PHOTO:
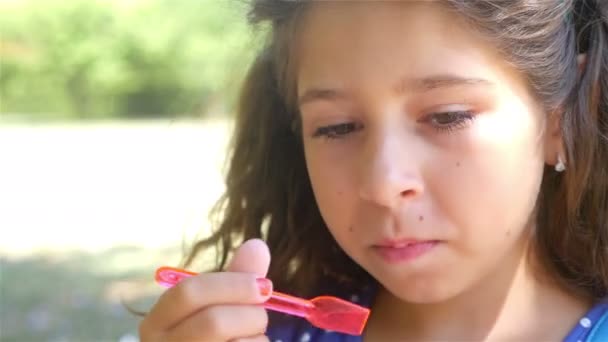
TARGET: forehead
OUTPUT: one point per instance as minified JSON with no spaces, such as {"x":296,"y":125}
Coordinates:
{"x":350,"y":42}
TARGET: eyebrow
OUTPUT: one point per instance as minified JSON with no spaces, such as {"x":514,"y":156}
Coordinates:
{"x":419,"y":85}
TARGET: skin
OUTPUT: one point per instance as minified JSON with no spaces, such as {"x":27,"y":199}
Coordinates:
{"x":206,"y":307}
{"x":386,"y":162}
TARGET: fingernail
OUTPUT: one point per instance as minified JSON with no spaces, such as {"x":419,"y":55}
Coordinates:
{"x":265,"y":286}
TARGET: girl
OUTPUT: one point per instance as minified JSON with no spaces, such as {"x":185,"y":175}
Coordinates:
{"x":442,"y":162}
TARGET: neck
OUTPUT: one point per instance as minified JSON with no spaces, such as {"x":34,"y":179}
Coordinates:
{"x":512,"y":303}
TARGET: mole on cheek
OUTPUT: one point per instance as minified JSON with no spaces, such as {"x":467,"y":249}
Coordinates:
{"x":457,"y":164}
{"x":420,"y":218}
{"x":350,"y":229}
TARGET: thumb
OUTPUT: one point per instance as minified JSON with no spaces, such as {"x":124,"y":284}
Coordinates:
{"x":252,"y":256}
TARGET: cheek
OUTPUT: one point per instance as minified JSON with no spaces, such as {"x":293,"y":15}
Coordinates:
{"x":332,"y":179}
{"x":494,"y":178}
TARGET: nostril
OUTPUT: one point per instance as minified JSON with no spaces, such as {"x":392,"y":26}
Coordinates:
{"x":407,"y":193}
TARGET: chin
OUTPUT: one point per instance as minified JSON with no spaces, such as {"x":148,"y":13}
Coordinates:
{"x":423,"y":296}
{"x":420,"y":289}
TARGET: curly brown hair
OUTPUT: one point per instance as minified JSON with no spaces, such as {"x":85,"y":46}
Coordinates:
{"x":269,"y":195}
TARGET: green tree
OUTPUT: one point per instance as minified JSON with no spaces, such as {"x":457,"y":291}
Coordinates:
{"x":86,"y":58}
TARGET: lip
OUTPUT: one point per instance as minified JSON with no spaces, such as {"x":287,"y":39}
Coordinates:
{"x":399,"y":243}
{"x":397,"y":251}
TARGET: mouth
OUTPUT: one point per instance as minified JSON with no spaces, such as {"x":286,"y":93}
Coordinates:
{"x":404,"y":250}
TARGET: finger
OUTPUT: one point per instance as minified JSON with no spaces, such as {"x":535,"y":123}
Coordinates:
{"x":205,"y":289}
{"x":257,"y":338}
{"x":222,"y":323}
{"x":252,"y":256}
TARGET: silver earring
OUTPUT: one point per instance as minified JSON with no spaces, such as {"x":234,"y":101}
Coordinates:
{"x":560,"y":166}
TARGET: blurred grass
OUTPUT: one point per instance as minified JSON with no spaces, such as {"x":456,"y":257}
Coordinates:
{"x":80,"y":296}
{"x":77,"y":297}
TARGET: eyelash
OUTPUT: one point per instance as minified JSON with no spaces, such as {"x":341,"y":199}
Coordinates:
{"x":336,"y":131}
{"x":463,"y":119}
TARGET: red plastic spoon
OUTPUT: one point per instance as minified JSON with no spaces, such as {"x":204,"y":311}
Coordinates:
{"x":325,"y":312}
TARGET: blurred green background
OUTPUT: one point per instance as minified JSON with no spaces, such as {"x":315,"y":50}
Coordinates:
{"x":130,"y":58}
{"x":114,"y":121}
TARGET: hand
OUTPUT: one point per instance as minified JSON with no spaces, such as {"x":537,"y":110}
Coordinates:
{"x":218,"y":306}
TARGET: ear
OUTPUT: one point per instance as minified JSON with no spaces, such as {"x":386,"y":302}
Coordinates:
{"x":581,"y":60}
{"x":554,"y":144}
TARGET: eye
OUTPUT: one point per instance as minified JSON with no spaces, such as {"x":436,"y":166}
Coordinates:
{"x":450,"y":121}
{"x":336,"y":131}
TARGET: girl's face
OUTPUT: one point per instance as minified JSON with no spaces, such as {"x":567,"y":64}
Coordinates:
{"x":425,"y":149}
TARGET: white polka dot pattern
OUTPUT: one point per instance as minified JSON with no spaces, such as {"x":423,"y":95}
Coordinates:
{"x":305,"y":337}
{"x":585,"y":322}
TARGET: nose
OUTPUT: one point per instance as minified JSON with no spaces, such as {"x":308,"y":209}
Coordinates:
{"x":390,"y":170}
